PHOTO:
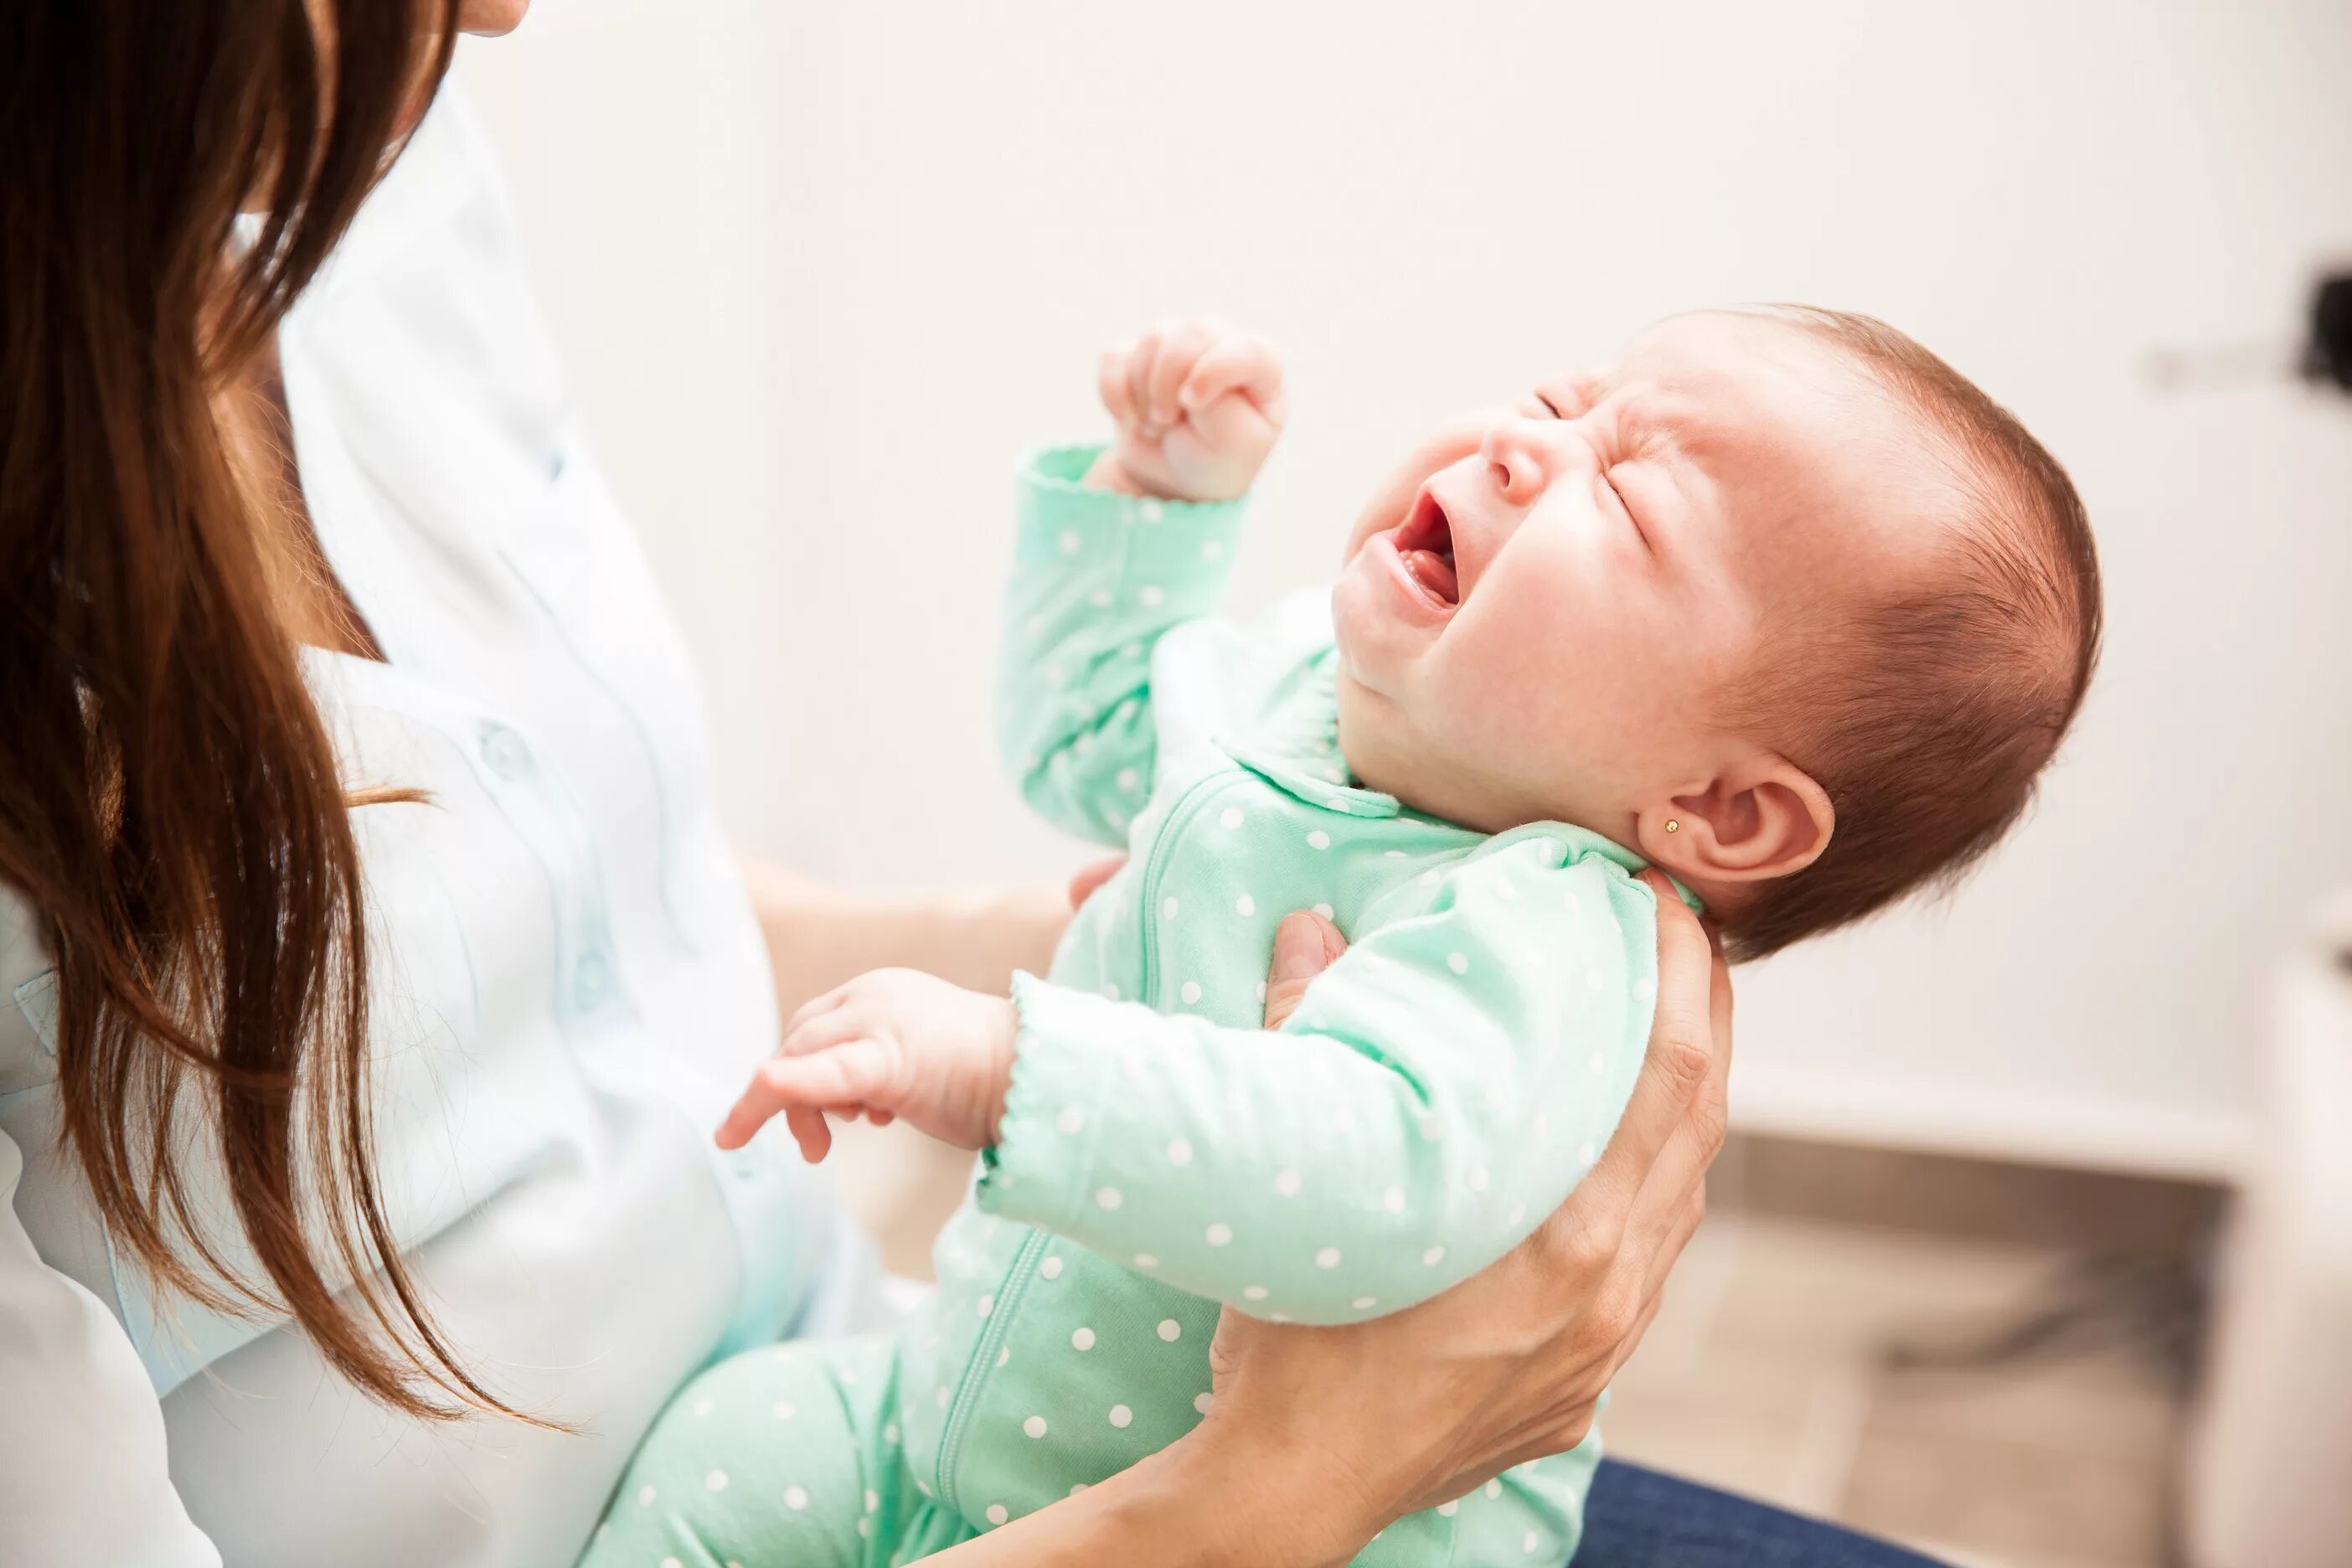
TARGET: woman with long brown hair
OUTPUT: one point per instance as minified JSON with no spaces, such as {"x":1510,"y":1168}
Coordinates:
{"x":371,"y":960}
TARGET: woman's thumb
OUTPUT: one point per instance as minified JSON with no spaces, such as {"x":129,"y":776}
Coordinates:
{"x":1304,"y":944}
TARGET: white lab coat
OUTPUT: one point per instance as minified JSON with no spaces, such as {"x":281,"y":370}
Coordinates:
{"x":568,"y":983}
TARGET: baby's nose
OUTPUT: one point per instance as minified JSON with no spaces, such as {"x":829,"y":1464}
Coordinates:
{"x":1519,"y":459}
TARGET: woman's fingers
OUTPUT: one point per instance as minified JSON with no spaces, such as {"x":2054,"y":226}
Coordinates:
{"x":1680,"y":1057}
{"x":1662,"y":1267}
{"x":1305,"y":945}
{"x":1093,"y":875}
{"x":1719,"y":1009}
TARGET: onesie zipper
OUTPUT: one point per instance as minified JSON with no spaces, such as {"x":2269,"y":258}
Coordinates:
{"x":1154,"y":867}
{"x":984,"y":1357}
{"x":1023,"y":1267}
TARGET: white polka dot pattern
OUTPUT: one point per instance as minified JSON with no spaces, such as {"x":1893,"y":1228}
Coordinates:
{"x":1487,"y":950}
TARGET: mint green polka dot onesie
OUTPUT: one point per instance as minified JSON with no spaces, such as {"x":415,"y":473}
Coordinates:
{"x":1440,"y":1090}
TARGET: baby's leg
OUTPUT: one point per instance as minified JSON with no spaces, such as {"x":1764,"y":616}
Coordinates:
{"x":780,"y":1457}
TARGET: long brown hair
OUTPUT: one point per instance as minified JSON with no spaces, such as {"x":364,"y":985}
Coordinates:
{"x":169,"y":802}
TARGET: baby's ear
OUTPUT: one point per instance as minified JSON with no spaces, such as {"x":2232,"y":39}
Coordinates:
{"x":1762,"y":817}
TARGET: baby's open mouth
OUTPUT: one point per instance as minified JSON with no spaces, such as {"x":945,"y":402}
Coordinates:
{"x":1424,"y":543}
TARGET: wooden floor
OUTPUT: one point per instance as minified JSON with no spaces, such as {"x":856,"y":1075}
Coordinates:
{"x":1776,"y":1367}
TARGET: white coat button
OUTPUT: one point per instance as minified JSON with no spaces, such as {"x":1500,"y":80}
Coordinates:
{"x":592,"y":981}
{"x":505,"y":751}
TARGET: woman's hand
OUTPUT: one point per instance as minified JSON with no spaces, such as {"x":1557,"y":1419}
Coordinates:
{"x":1317,"y":1437}
{"x":1509,"y":1365}
{"x":820,"y":935}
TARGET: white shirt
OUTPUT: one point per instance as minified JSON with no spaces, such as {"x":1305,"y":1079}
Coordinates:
{"x":568,"y":983}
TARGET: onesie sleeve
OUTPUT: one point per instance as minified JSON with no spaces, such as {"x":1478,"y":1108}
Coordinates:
{"x":1097,"y":579}
{"x":1440,"y":1089}
{"x":83,"y":1476}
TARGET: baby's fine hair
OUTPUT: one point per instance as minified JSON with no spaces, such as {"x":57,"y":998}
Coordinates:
{"x":1928,"y":719}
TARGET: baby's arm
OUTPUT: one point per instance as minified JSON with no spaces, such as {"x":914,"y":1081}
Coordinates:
{"x":1115,"y":546}
{"x":1440,"y":1089}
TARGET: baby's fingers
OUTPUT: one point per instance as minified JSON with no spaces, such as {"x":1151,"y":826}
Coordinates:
{"x":1141,"y":354}
{"x":1111,"y":382}
{"x":810,"y":1131}
{"x":852,"y":1075}
{"x":1244,"y":364}
{"x":1181,"y":348}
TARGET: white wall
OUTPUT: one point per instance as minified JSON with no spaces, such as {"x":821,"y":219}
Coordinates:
{"x":823,"y":270}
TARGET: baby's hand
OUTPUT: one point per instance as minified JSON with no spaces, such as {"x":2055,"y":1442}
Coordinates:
{"x":1198,"y":405}
{"x":891,"y":1043}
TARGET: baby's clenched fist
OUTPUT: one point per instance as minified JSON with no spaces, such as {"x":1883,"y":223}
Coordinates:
{"x":1198,"y":406}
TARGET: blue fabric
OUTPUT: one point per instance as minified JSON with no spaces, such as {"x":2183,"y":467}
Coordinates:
{"x":1636,"y":1518}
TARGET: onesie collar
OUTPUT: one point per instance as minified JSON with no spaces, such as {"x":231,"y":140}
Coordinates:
{"x":1296,"y":745}
{"x":1318,"y":781}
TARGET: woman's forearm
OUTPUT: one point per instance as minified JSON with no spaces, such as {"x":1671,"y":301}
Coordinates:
{"x":1189,"y":1504}
{"x":819,"y":935}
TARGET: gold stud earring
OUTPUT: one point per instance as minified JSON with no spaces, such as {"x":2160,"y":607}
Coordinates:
{"x":1672,"y":826}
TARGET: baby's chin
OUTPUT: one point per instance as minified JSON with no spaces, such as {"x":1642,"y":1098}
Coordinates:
{"x":1387,"y":751}
{"x":1375,"y":648}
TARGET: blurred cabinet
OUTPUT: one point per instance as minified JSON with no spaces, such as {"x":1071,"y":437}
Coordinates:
{"x":2271,"y":1475}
